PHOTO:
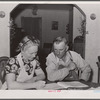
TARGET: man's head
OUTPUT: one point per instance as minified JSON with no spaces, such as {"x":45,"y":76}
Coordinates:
{"x":29,"y":47}
{"x":60,"y":46}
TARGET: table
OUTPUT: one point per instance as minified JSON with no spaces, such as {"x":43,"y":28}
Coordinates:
{"x":55,"y":86}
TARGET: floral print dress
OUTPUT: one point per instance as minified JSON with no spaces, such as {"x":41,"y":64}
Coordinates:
{"x":24,"y":70}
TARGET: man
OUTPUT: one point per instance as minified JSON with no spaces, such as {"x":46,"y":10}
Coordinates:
{"x":63,"y":64}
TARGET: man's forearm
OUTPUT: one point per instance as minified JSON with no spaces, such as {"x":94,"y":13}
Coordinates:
{"x":58,"y":74}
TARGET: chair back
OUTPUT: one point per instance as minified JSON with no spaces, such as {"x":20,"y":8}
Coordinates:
{"x":3,"y":62}
{"x":98,"y":65}
{"x":47,"y":48}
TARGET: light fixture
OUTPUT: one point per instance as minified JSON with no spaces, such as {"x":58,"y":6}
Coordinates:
{"x":93,"y":16}
{"x":34,"y":9}
{"x":2,"y":14}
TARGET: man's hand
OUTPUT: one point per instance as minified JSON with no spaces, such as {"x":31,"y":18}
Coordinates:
{"x":61,"y":66}
{"x":72,"y":66}
{"x":61,"y":62}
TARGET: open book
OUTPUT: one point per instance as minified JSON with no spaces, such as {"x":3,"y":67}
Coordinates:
{"x":75,"y":84}
{"x":51,"y":86}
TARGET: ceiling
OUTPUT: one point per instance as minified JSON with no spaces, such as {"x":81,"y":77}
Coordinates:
{"x":18,"y":9}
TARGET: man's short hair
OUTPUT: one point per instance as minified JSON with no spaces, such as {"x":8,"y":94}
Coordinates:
{"x":60,"y":39}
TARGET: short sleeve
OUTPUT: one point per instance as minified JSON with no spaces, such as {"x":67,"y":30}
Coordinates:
{"x":12,"y":66}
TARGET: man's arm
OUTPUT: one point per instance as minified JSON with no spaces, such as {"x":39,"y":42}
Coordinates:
{"x":55,"y":74}
{"x":86,"y":72}
{"x":83,"y":66}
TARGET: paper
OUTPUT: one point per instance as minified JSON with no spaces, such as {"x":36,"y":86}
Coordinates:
{"x":71,"y":84}
{"x":51,"y":86}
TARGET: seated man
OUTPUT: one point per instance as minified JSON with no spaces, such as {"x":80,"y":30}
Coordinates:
{"x":63,"y":64}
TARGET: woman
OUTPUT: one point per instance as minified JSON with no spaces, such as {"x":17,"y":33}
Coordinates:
{"x":23,"y":71}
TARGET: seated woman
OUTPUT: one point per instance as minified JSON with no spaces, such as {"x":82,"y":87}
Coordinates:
{"x":23,"y":71}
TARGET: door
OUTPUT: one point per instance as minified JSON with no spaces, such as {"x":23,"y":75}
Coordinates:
{"x":32,"y":26}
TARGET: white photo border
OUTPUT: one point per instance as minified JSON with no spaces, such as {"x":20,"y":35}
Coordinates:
{"x":44,"y":94}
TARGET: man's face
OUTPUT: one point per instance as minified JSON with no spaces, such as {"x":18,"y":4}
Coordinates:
{"x":60,"y":49}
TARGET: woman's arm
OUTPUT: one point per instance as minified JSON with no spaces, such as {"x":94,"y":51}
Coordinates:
{"x":39,"y":75}
{"x":37,"y":78}
{"x":13,"y":84}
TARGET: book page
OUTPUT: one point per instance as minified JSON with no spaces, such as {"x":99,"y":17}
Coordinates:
{"x":51,"y":86}
{"x":71,"y":84}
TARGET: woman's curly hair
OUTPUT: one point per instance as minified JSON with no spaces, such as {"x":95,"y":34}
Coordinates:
{"x":26,"y":40}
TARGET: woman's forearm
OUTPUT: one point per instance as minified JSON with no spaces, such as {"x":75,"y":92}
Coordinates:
{"x":40,"y":77}
{"x":37,"y":78}
{"x":21,"y":85}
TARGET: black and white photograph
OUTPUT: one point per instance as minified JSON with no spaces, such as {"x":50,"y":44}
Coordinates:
{"x":50,"y":49}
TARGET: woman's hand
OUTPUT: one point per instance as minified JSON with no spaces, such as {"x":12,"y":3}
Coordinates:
{"x":40,"y":84}
{"x":33,"y":79}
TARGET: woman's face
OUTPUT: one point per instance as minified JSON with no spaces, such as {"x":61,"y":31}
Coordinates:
{"x":30,"y":52}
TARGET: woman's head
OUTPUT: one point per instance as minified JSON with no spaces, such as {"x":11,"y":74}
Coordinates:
{"x":29,"y":47}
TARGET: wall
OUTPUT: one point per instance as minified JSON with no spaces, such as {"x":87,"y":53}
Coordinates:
{"x":63,"y":19}
{"x":62,"y":16}
{"x":93,"y":36}
{"x":4,"y":29}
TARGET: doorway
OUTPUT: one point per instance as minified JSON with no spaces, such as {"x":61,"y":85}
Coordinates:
{"x":32,"y":26}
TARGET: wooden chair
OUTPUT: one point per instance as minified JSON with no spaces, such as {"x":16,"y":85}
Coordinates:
{"x":3,"y":62}
{"x":98,"y":64}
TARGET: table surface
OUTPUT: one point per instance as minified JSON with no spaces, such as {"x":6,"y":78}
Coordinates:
{"x":55,"y":86}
